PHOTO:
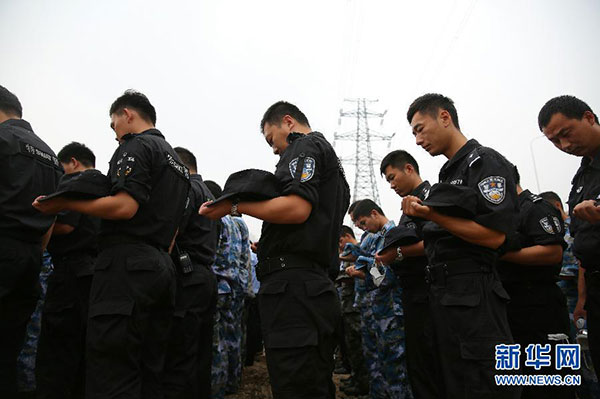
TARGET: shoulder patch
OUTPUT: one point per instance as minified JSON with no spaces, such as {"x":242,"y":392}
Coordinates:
{"x":34,"y":152}
{"x":557,"y":224}
{"x":308,"y":169}
{"x":493,"y":189}
{"x":181,"y":169}
{"x":545,"y":223}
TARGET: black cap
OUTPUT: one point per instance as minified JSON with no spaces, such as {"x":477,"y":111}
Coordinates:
{"x":453,"y":200}
{"x":88,"y":184}
{"x":250,"y":185}
{"x":399,"y":236}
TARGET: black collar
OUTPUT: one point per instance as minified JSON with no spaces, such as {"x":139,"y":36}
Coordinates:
{"x":19,"y":123}
{"x":152,"y":132}
{"x":421,"y":188}
{"x":460,"y":154}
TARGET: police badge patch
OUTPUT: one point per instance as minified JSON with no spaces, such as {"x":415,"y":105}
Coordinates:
{"x":545,"y":223}
{"x":308,"y":170}
{"x":557,"y":223}
{"x":493,"y":189}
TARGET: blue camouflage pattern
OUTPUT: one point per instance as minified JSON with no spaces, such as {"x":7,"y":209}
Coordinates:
{"x":26,"y":359}
{"x":387,"y":322}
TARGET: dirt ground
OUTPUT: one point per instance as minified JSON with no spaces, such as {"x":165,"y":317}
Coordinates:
{"x":255,"y":382}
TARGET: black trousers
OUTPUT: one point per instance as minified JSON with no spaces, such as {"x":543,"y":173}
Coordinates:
{"x":468,"y":314}
{"x":592,"y":306}
{"x":20,"y":264}
{"x":253,"y":335}
{"x":300,"y":314}
{"x":60,"y":361}
{"x":187,"y":372}
{"x":534,"y":311}
{"x":131,"y":310}
{"x":423,"y":371}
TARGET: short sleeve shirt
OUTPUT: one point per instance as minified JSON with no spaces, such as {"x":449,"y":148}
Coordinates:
{"x":538,"y":223}
{"x":586,"y":186}
{"x":491,"y":176}
{"x":309,"y":168}
{"x":83,"y":239}
{"x":28,"y":169}
{"x":146,"y":167}
{"x":198,"y":234}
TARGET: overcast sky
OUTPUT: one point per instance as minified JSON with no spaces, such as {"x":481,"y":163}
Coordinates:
{"x":212,"y":68}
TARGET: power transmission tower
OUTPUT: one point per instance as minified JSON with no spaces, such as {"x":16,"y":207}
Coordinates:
{"x":365,"y":185}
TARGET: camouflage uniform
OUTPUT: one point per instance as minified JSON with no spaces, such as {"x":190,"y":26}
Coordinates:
{"x":226,"y":271}
{"x":26,"y":360}
{"x":241,"y":249}
{"x":387,"y":321}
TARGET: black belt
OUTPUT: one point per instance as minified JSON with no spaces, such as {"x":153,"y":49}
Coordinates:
{"x":109,"y":241}
{"x":408,"y":281}
{"x":443,"y":270}
{"x":283,"y":262}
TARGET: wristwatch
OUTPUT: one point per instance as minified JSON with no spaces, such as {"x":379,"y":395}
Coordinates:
{"x":234,"y":209}
{"x":399,"y":256}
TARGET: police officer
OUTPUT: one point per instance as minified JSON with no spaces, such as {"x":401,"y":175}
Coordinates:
{"x":572,"y":126}
{"x":60,"y":366}
{"x":28,"y":168}
{"x":408,"y":261}
{"x":529,"y":271}
{"x":188,"y":363}
{"x":133,"y":290}
{"x":467,"y":301}
{"x":299,"y":309}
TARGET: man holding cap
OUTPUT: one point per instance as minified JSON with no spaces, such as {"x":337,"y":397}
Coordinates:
{"x":467,"y":301}
{"x":299,"y":308}
{"x":133,"y":290}
{"x":60,"y":366}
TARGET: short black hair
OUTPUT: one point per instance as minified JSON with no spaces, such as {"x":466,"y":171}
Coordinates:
{"x":186,"y":157}
{"x":551,"y":196}
{"x":430,"y":104}
{"x":214,"y":188}
{"x":277,"y":111}
{"x":569,"y":106}
{"x":80,"y":152}
{"x":365,"y":207}
{"x":9,"y":103}
{"x":397,"y":159}
{"x":352,"y":207}
{"x":136,"y":101}
{"x":347,"y":231}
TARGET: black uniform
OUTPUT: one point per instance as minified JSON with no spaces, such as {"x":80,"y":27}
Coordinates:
{"x":189,"y":357}
{"x":537,"y":306}
{"x":60,"y":362}
{"x":586,"y":247}
{"x":299,"y":308}
{"x":133,"y":291}
{"x":417,"y":320}
{"x":28,"y":169}
{"x":467,"y":300}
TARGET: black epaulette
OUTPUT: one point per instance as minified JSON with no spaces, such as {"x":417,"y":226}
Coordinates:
{"x":474,"y":157}
{"x":534,"y":198}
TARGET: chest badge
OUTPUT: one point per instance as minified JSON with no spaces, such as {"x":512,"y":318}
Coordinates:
{"x":308,"y":170}
{"x":493,"y":189}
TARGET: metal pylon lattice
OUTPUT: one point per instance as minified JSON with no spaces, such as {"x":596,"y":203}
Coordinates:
{"x":365,"y":185}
